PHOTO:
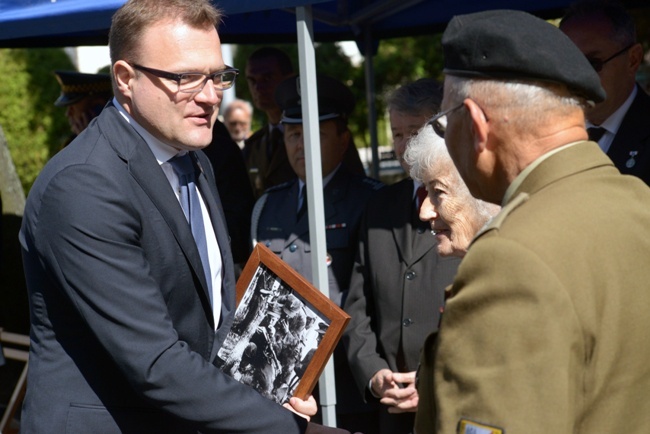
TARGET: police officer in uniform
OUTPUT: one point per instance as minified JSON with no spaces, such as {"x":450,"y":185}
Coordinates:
{"x":280,"y":220}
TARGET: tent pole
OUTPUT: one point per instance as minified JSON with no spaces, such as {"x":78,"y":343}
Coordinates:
{"x":370,"y":98}
{"x":315,"y":207}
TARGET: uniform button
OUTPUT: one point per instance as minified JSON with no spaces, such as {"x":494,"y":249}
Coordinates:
{"x":410,"y":275}
{"x":293,"y":248}
{"x":407,"y":322}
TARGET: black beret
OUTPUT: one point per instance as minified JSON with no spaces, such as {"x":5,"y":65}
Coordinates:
{"x":334,"y":99}
{"x":76,"y":85}
{"x":507,"y":44}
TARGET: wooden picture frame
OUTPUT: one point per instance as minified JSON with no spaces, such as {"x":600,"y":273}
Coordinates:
{"x":284,"y":330}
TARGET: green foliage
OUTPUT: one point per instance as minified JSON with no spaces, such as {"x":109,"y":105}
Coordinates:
{"x":398,"y":61}
{"x":34,"y":127}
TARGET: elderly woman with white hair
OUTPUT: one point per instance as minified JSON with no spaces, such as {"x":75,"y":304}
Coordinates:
{"x":454,"y":214}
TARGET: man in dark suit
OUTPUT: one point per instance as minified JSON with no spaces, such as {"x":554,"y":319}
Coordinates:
{"x":606,"y":35}
{"x":545,"y":325}
{"x":398,"y":280}
{"x":281,"y":220}
{"x":130,"y":303}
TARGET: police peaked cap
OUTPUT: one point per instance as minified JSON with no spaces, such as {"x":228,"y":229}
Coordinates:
{"x":76,"y":85}
{"x":334,"y":99}
{"x":508,"y":44}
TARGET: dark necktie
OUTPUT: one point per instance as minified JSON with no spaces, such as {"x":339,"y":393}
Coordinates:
{"x":303,"y":204}
{"x":595,"y":133}
{"x":191,"y":205}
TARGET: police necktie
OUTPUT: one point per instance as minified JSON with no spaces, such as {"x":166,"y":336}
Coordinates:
{"x":303,"y":203}
{"x":190,"y":202}
{"x":595,"y":133}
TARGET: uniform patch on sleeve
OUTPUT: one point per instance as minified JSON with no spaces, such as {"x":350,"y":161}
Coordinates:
{"x":466,"y":426}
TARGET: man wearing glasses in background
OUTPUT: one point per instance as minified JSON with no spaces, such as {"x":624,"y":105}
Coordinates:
{"x":126,"y":253}
{"x":605,"y":33}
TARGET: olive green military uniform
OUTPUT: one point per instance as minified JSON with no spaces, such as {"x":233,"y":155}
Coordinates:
{"x":546,"y":328}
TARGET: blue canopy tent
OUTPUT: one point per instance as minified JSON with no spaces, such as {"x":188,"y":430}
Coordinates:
{"x":41,"y":23}
{"x":59,"y":23}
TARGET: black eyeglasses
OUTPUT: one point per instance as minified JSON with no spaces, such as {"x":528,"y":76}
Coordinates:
{"x":598,"y":64}
{"x":439,"y":122}
{"x":194,"y":82}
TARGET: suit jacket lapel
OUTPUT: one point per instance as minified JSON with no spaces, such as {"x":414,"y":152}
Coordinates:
{"x":402,"y":230}
{"x":633,"y":133}
{"x":424,"y":241}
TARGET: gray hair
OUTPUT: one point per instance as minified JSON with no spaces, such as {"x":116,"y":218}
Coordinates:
{"x":428,"y":158}
{"x":238,"y":104}
{"x":527,"y":104}
{"x":422,"y":97}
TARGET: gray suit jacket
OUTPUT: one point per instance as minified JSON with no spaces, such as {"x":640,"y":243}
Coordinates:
{"x":122,"y":334}
{"x":397,"y":287}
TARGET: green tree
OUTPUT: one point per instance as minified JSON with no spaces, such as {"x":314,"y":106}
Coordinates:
{"x":34,"y":128}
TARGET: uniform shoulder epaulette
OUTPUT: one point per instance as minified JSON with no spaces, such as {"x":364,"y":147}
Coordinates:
{"x":282,"y":186}
{"x":373,"y":183}
{"x":496,"y":221}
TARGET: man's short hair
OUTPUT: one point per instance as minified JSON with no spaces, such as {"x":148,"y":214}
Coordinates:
{"x":238,"y":104}
{"x":135,"y":16}
{"x":421,"y":97}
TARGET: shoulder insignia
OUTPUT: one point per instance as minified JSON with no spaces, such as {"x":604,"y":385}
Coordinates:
{"x":466,"y":426}
{"x":496,"y":221}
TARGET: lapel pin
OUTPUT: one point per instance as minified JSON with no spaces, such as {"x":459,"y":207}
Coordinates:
{"x":631,"y":162}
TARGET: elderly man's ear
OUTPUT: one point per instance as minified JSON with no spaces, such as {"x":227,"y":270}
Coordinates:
{"x":480,"y":125}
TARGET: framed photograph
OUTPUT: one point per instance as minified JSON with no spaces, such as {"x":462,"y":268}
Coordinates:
{"x":284,"y":330}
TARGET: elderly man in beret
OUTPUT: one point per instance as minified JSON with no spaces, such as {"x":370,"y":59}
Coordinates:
{"x":545,"y":326}
{"x":280,"y":218}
